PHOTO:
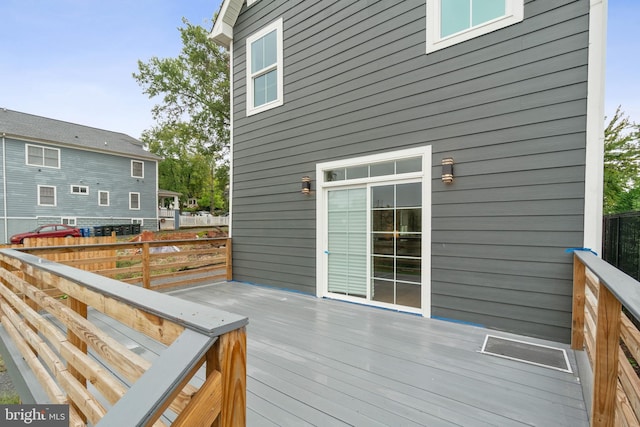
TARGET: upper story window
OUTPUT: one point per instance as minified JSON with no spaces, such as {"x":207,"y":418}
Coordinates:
{"x":137,"y":169}
{"x":264,"y":69}
{"x":43,"y":156}
{"x":453,"y":21}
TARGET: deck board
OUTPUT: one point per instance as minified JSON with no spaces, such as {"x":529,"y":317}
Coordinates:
{"x":314,"y":361}
{"x":385,"y":366}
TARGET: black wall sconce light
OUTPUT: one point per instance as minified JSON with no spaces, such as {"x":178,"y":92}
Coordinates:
{"x":447,"y":170}
{"x":306,"y":185}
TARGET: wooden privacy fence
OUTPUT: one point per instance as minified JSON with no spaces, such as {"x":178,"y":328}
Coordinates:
{"x":104,"y":382}
{"x":152,"y":264}
{"x":609,"y":336}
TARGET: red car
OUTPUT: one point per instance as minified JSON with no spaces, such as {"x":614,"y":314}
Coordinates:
{"x":49,"y":230}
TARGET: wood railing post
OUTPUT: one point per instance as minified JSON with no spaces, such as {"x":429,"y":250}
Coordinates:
{"x":229,"y":261}
{"x":80,"y":308}
{"x":146,"y":266}
{"x":229,"y":357}
{"x":577,"y":321}
{"x":605,"y":369}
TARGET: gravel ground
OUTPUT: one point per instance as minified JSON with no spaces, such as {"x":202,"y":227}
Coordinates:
{"x":6,"y":386}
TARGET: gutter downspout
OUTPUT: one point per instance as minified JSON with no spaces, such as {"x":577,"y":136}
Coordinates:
{"x":4,"y":188}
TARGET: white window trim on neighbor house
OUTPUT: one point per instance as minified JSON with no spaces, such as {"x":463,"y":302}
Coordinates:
{"x":131,"y":207}
{"x":137,"y":221}
{"x":80,"y":189}
{"x":514,"y":13}
{"x":43,"y":149}
{"x":100,"y":193}
{"x":278,"y":66}
{"x":69,"y":221}
{"x":133,"y":175}
{"x":42,"y":187}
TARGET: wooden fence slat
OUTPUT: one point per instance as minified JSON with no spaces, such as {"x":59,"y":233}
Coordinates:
{"x":624,"y":417}
{"x":630,"y":383}
{"x":605,"y":370}
{"x":229,"y":357}
{"x":102,"y":379}
{"x":48,"y":384}
{"x":577,"y":323}
{"x":205,"y":405}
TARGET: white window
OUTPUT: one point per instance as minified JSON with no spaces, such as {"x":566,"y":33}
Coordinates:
{"x":42,"y":156}
{"x":46,"y":195}
{"x":137,"y":221}
{"x":80,"y":189}
{"x":68,"y":221}
{"x":137,"y":169}
{"x":264,"y":69}
{"x":453,"y":21}
{"x":134,"y":201}
{"x":103,"y":198}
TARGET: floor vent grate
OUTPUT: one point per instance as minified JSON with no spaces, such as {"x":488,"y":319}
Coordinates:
{"x":535,"y":354}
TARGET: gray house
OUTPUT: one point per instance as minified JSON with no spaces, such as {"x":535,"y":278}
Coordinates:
{"x":433,"y":157}
{"x":59,"y":172}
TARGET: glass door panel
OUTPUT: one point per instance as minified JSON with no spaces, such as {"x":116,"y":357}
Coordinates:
{"x":396,"y":244}
{"x":347,"y":269}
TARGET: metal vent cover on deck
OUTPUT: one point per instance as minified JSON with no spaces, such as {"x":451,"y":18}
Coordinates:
{"x":535,"y":354}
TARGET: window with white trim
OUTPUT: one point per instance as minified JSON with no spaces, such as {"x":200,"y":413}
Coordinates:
{"x":137,"y":221}
{"x":69,"y":221}
{"x":453,"y":21}
{"x":134,"y":201}
{"x":103,"y":198}
{"x":46,"y":195}
{"x":265,"y":69}
{"x":137,"y":169}
{"x":42,"y":156}
{"x":80,"y":189}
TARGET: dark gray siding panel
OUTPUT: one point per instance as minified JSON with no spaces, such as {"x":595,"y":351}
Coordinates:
{"x":509,"y":107}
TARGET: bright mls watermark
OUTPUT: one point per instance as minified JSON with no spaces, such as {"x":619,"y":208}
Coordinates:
{"x":34,"y":415}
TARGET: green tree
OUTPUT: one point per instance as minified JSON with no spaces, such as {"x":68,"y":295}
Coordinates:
{"x":621,"y":156}
{"x":192,"y":115}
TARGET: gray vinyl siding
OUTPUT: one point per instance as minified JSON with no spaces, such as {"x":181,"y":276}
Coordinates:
{"x":509,"y":107}
{"x":97,"y":171}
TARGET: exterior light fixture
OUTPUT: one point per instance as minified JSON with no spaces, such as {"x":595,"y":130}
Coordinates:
{"x":447,"y":170}
{"x":306,"y":185}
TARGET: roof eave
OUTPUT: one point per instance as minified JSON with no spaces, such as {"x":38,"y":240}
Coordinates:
{"x":222,"y":32}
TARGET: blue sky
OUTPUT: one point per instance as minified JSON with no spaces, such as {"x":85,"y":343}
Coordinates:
{"x":73,"y":59}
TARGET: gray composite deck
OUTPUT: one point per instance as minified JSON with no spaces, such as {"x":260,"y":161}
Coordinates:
{"x":329,"y":363}
{"x":321,"y":362}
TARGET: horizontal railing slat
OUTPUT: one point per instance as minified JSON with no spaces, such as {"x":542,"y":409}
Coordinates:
{"x":621,"y":285}
{"x":160,"y":382}
{"x":206,"y":320}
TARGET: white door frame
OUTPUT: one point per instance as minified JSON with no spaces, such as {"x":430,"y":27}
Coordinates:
{"x":322,"y":219}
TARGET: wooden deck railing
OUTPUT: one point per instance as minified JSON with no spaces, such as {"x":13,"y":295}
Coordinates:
{"x":104,"y":382}
{"x":609,"y":336}
{"x":151,"y":264}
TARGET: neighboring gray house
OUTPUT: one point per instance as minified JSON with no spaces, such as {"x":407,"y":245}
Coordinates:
{"x":59,"y":172}
{"x":368,"y":99}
